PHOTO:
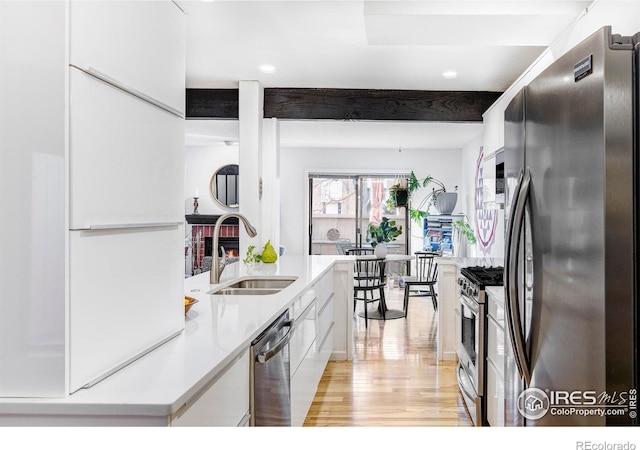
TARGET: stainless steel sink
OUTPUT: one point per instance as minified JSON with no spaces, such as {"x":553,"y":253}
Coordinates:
{"x":245,"y":291}
{"x":263,"y":283}
{"x":254,"y":286}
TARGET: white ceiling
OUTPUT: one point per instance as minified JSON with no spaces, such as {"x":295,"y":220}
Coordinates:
{"x":371,"y":45}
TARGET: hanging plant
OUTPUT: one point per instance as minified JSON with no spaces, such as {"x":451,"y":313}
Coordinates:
{"x":398,"y":196}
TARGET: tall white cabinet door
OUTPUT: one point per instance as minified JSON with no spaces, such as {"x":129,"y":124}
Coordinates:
{"x":126,"y":158}
{"x":141,"y":44}
{"x":32,"y":200}
{"x":126,"y":296}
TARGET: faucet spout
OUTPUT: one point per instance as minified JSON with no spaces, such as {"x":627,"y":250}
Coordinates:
{"x":216,"y":265}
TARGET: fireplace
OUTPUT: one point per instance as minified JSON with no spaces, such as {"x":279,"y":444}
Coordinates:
{"x":202,"y":227}
{"x":231,"y":246}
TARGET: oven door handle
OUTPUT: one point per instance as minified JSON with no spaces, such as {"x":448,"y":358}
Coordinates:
{"x":512,"y":303}
{"x":469,"y":303}
{"x":264,"y":357}
{"x":462,"y":384}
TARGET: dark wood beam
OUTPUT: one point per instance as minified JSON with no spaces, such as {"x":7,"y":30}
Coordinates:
{"x":348,"y":104}
{"x":372,"y":104}
{"x":212,"y":103}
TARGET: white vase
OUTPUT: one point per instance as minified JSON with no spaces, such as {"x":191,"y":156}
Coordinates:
{"x":380,"y":251}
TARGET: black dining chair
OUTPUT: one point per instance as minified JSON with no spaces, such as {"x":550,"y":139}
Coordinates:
{"x":369,"y":284}
{"x":426,"y":275}
{"x":359,"y":251}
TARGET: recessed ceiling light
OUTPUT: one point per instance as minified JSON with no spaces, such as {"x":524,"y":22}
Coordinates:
{"x":267,"y":68}
{"x":449,"y":74}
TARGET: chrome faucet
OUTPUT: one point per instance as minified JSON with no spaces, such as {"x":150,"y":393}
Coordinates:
{"x":218,"y":265}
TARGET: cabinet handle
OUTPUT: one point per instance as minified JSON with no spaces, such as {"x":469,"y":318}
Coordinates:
{"x":117,"y":226}
{"x":129,"y":90}
{"x":326,"y":304}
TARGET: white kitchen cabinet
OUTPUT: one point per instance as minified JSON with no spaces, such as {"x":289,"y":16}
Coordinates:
{"x":495,"y":357}
{"x":326,"y":324}
{"x":138,"y":44}
{"x":112,"y":313}
{"x":311,"y":346}
{"x":224,"y":402}
{"x":126,"y":158}
{"x":304,"y":337}
{"x":32,"y":182}
{"x":118,"y":156}
{"x":447,"y":308}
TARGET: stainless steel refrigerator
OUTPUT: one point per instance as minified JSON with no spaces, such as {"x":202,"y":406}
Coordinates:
{"x":571,"y":150}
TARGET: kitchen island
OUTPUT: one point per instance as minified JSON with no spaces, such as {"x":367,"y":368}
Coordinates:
{"x":154,"y":389}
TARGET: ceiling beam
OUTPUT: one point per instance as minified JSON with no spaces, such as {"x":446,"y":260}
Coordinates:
{"x":347,"y":104}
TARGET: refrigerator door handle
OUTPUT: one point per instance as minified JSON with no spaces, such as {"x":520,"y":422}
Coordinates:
{"x":512,"y":304}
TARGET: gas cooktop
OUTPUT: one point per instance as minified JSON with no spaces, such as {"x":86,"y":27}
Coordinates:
{"x":484,"y":276}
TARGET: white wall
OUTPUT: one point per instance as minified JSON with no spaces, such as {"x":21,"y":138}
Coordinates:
{"x":297,"y":163}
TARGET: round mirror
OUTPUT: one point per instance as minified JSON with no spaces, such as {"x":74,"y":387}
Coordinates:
{"x":224,"y":186}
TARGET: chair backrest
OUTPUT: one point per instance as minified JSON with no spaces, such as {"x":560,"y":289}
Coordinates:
{"x":342,"y":244}
{"x":426,"y":267}
{"x":368,"y":273}
{"x":359,"y":251}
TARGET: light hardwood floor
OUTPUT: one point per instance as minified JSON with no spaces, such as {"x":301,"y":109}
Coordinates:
{"x":394,"y":379}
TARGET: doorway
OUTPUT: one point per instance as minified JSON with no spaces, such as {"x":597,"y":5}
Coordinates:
{"x":341,"y":207}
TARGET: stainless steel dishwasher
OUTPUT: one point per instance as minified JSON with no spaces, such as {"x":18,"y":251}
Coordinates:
{"x":270,"y":391}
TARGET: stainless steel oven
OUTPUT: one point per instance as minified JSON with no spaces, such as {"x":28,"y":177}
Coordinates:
{"x":472,"y":337}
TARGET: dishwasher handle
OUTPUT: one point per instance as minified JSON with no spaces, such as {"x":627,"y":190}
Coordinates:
{"x":266,"y":356}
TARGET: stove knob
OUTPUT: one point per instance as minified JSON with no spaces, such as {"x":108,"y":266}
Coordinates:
{"x":460,"y":281}
{"x":475,"y":292}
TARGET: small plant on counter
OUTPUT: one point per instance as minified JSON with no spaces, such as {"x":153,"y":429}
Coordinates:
{"x":252,"y":257}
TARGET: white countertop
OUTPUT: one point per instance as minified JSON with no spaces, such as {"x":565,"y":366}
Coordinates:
{"x":217,"y":330}
{"x":471,"y":261}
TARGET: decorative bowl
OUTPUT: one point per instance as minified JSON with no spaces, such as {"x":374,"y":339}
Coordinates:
{"x":188,"y":303}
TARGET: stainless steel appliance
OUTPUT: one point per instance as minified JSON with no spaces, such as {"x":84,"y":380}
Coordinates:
{"x":471,"y":349}
{"x":270,"y":389}
{"x":571,"y":159}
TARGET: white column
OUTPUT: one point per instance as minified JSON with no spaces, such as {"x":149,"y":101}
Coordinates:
{"x":270,"y":203}
{"x":250,"y":114}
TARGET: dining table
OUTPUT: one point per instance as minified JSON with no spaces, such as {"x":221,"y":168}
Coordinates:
{"x":382,"y":312}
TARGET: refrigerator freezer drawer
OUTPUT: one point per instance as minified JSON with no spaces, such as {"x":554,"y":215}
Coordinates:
{"x":126,"y":297}
{"x":126,"y":158}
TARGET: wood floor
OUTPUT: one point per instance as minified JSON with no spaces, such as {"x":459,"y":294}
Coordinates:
{"x":394,"y":379}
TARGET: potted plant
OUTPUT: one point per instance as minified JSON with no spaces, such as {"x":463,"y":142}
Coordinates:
{"x":386,"y":231}
{"x":462,"y":230}
{"x":398,"y":196}
{"x":444,"y":202}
